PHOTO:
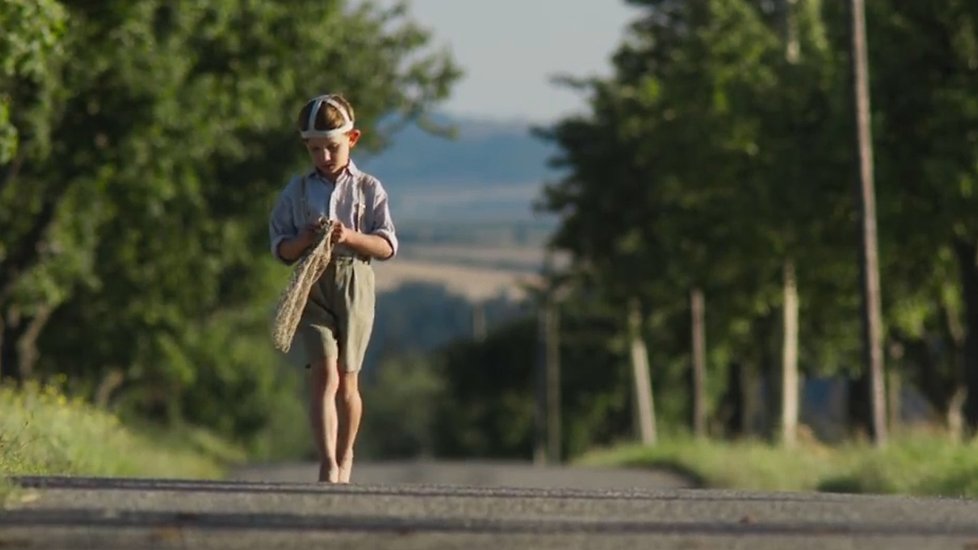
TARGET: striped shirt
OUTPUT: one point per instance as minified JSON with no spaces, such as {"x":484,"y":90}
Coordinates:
{"x":356,"y":199}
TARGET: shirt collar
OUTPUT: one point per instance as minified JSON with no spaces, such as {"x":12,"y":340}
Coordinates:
{"x":350,"y":170}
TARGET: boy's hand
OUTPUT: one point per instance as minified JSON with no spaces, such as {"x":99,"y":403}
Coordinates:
{"x":341,"y":233}
{"x":362,"y":243}
{"x":308,"y":233}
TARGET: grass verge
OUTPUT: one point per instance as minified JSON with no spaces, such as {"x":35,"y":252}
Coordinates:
{"x":42,"y":431}
{"x":912,"y":464}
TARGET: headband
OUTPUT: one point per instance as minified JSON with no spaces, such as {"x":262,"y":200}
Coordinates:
{"x":317,"y":104}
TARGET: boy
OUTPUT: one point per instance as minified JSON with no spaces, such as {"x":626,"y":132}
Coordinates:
{"x":338,"y":317}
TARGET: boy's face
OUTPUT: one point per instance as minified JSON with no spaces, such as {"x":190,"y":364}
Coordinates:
{"x":331,"y":155}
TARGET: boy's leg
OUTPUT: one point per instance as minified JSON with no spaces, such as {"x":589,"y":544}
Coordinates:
{"x":324,"y":383}
{"x":350,"y":409}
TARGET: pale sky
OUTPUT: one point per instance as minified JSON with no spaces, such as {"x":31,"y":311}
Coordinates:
{"x":510,"y":50}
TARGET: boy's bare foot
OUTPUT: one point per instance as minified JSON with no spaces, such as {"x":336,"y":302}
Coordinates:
{"x":328,"y":473}
{"x":346,"y":468}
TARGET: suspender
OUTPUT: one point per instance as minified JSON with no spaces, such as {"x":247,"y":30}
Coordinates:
{"x":361,"y":206}
{"x":306,"y":214}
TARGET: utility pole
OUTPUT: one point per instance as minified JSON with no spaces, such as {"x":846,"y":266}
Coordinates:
{"x":869,"y":260}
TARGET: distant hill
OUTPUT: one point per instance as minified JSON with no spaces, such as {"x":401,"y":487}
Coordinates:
{"x":489,"y":172}
{"x":483,"y":153}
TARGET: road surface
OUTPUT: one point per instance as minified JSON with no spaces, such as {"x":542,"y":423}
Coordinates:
{"x":476,"y":513}
{"x":476,"y":473}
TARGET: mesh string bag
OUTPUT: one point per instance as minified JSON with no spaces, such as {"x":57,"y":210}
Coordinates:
{"x":307,"y":271}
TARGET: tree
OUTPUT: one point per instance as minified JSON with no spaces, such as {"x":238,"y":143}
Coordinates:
{"x":716,"y":159}
{"x":31,"y":51}
{"x":166,"y":155}
{"x":718,"y":169}
{"x":927,"y":148}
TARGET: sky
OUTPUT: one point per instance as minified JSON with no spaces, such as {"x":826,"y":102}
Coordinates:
{"x":511,"y":49}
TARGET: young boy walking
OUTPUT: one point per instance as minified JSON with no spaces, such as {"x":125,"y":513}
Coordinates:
{"x":337,"y":320}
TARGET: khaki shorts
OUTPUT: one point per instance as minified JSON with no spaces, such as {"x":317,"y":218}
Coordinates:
{"x":339,"y":315}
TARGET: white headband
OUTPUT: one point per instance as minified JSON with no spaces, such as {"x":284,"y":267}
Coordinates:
{"x":317,"y":103}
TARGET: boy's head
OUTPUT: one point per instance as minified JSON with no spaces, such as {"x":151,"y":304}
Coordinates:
{"x":326,"y":125}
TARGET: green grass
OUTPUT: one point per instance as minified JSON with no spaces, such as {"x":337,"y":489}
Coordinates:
{"x":914,"y":464}
{"x":42,"y":431}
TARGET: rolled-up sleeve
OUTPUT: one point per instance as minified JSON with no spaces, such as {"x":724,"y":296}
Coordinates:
{"x":281,"y":225}
{"x":383,"y":225}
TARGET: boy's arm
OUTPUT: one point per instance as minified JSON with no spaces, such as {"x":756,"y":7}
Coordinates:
{"x":290,"y":249}
{"x":289,"y":242}
{"x":281,"y":227}
{"x":366,"y":244}
{"x":382,"y":225}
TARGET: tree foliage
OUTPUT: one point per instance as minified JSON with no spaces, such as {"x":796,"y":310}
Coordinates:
{"x":719,"y":149}
{"x":133,"y":238}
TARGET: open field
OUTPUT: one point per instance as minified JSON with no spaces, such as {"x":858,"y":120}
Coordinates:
{"x":517,"y":258}
{"x":474,"y":283}
{"x":476,"y":271}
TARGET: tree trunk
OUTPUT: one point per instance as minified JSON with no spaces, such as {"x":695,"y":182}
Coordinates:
{"x":792,"y":50}
{"x":22,"y":254}
{"x":111,"y":382}
{"x":765,"y":380}
{"x":953,"y":415}
{"x":789,"y":358}
{"x":967,"y":253}
{"x":731,"y":412}
{"x":12,"y":328}
{"x":552,"y":361}
{"x":548,"y":437}
{"x":859,"y":411}
{"x":27,"y":354}
{"x":894,"y":386}
{"x":869,"y":265}
{"x":699,"y":362}
{"x":938,"y":370}
{"x":8,"y":357}
{"x":789,"y":342}
{"x":641,"y":382}
{"x":894,"y":405}
{"x":18,"y":342}
{"x":770,"y":366}
{"x":479,"y":321}
{"x":540,"y":389}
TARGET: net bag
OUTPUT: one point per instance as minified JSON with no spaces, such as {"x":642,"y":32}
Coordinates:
{"x":307,"y":271}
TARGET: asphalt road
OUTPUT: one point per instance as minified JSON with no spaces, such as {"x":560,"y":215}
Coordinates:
{"x":59,"y":512}
{"x":475,"y":473}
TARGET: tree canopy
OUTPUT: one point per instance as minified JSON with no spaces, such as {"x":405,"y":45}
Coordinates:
{"x":141,"y":146}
